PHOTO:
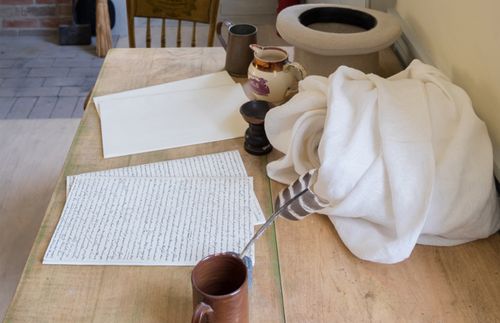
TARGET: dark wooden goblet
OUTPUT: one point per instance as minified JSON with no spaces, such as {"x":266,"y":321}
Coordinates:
{"x":254,"y":112}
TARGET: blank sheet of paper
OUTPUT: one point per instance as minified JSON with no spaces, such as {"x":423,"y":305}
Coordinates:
{"x":194,"y":83}
{"x":154,"y":122}
{"x":151,"y":221}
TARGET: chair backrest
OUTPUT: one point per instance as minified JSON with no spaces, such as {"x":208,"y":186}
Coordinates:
{"x":196,"y":11}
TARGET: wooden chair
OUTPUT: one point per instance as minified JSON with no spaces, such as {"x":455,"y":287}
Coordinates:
{"x":196,"y":11}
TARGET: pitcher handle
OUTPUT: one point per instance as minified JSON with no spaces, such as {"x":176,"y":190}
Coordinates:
{"x":299,"y":73}
{"x":228,"y":25}
{"x":201,"y":310}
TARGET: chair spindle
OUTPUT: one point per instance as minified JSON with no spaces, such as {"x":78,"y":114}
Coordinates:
{"x":148,"y":33}
{"x":163,"y":34}
{"x":179,"y":22}
{"x":193,"y":35}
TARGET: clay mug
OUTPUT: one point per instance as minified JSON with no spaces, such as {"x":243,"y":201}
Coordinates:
{"x":220,"y":289}
{"x":272,"y":76}
{"x":238,"y":54}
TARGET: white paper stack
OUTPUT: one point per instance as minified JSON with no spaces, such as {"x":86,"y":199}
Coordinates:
{"x":169,"y":213}
{"x":192,"y":111}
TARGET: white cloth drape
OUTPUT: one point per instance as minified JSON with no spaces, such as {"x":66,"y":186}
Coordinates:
{"x":402,"y":160}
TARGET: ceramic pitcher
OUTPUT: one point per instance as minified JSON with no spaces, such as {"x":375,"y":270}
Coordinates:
{"x":272,"y":76}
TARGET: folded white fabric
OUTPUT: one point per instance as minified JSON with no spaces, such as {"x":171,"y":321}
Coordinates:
{"x":402,"y":160}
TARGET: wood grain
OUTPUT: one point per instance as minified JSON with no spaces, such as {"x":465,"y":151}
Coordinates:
{"x":136,"y":294}
{"x":320,"y":279}
{"x":323,"y":282}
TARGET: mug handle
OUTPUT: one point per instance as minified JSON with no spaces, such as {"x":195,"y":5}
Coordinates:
{"x":201,"y":310}
{"x":300,"y":74}
{"x":228,"y":25}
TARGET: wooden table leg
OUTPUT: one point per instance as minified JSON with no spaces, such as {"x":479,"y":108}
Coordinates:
{"x":103,"y":28}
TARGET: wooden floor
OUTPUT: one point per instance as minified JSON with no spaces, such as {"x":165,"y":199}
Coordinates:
{"x":32,"y":153}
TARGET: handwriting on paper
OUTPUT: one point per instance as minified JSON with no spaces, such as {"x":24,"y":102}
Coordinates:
{"x":151,"y":221}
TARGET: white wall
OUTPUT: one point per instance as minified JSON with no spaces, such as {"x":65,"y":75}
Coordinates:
{"x":462,"y":38}
{"x":120,"y":27}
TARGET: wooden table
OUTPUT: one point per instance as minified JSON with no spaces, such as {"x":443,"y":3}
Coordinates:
{"x":303,"y":271}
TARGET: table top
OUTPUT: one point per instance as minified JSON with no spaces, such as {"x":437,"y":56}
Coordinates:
{"x":303,"y":272}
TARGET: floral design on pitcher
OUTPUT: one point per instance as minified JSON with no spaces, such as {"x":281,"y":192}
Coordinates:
{"x":259,"y":85}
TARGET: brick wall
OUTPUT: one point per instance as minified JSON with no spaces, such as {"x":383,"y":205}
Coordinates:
{"x":32,"y":17}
